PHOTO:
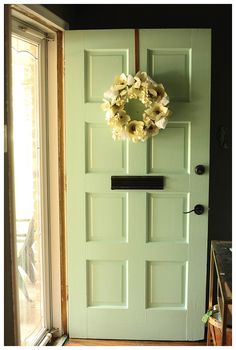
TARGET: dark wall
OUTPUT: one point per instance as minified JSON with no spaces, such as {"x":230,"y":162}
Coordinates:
{"x":219,"y":19}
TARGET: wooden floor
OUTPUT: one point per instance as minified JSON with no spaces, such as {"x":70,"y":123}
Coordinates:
{"x":94,"y":342}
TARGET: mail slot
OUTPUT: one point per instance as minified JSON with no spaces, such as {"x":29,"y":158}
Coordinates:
{"x":137,"y":182}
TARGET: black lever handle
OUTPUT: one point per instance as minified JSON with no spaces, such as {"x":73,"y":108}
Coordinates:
{"x":198,"y":209}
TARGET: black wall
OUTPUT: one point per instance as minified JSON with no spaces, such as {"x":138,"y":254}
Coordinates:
{"x":219,"y":19}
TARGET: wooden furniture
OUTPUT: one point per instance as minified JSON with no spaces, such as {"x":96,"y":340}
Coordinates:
{"x":219,"y":332}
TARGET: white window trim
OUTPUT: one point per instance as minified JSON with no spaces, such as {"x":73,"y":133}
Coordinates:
{"x":50,"y":24}
{"x":34,"y":36}
{"x":39,"y":16}
{"x":54,"y":186}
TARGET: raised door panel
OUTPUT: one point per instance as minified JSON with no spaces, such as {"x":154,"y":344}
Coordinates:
{"x":174,"y":145}
{"x":107,"y":284}
{"x":107,"y":217}
{"x":166,"y":222}
{"x":106,"y":156}
{"x":166,"y":282}
{"x":173,"y":67}
{"x":99,"y":68}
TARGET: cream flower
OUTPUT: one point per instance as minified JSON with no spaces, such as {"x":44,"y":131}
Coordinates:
{"x":119,"y":120}
{"x":152,"y":91}
{"x":137,"y":83}
{"x":143,"y":96}
{"x":111,"y":95}
{"x":106,"y":105}
{"x":120,"y":82}
{"x":141,"y":75}
{"x":165,"y":100}
{"x":130,"y":80}
{"x":133,"y":93}
{"x":161,"y":124}
{"x":140,"y":79}
{"x":136,"y":131}
{"x":160,"y":92}
{"x":123,"y":93}
{"x":151,"y":128}
{"x":156,"y":111}
{"x":112,"y":111}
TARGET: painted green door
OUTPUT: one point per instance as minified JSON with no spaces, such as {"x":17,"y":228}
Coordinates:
{"x":136,"y":263}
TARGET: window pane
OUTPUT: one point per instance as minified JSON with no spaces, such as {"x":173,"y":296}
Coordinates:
{"x":25,"y":68}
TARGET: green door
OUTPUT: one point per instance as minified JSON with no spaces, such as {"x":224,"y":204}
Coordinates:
{"x":136,"y":263}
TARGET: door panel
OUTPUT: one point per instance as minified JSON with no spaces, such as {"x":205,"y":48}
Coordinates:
{"x":136,"y":263}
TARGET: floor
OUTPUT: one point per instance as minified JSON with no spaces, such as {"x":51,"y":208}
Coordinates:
{"x":94,"y":342}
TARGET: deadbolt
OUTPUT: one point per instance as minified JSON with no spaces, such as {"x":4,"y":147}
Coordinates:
{"x":200,"y":169}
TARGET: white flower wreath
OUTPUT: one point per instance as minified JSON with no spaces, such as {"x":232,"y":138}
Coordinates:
{"x":151,"y":94}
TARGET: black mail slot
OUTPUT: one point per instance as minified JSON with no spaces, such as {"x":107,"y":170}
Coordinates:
{"x":137,"y":182}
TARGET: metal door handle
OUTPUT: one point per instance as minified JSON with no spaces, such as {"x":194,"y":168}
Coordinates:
{"x":198,"y":209}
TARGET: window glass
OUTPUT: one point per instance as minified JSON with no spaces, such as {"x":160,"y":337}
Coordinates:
{"x":28,"y":186}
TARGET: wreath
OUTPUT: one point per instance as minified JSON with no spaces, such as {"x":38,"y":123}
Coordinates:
{"x":152,"y":95}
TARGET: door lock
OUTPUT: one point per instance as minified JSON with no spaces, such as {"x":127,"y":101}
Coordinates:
{"x":200,"y":169}
{"x":198,"y":209}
